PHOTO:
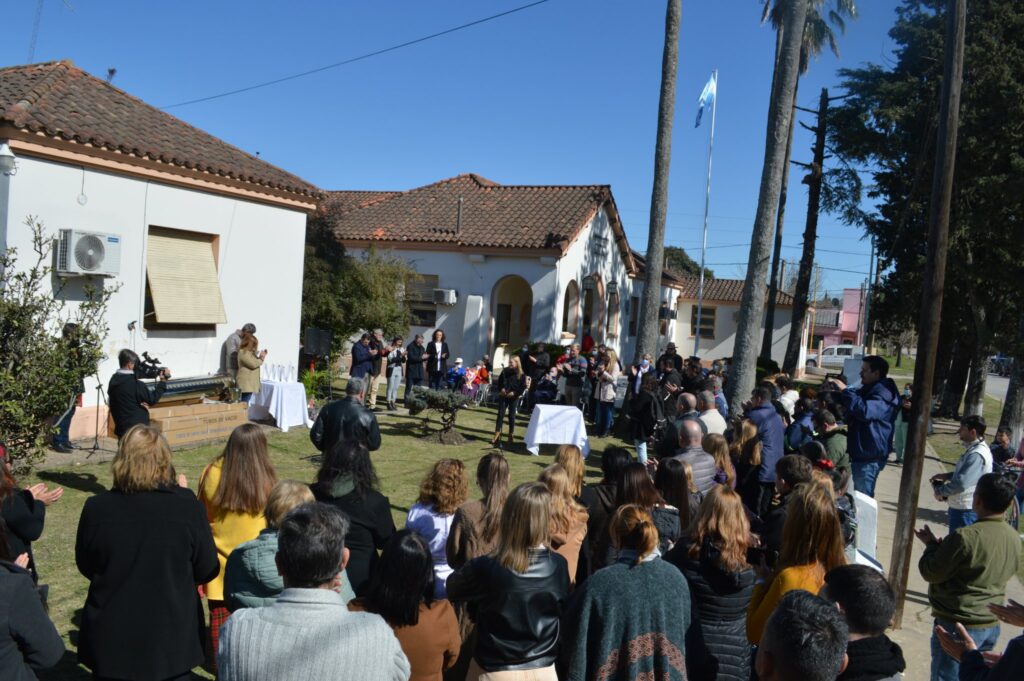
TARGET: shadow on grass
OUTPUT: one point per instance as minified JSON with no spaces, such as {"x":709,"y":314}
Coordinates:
{"x":83,"y":482}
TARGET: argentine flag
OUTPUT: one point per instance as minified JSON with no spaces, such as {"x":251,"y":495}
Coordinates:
{"x":707,"y":97}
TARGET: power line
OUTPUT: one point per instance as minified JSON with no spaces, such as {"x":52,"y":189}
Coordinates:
{"x":361,"y":57}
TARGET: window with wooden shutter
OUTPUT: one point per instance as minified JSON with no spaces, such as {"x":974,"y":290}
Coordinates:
{"x":182,"y":283}
{"x":419,"y":292}
{"x":707,"y":321}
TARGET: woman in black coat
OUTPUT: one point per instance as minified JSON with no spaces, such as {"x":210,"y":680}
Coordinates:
{"x":714,"y":562}
{"x":144,"y":546}
{"x":512,"y":382}
{"x":644,"y":414}
{"x":23,"y":511}
{"x":347,"y":481}
{"x":436,"y":357}
{"x":413,"y":366}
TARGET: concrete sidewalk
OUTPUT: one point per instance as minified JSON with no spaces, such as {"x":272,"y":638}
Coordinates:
{"x":915,"y":635}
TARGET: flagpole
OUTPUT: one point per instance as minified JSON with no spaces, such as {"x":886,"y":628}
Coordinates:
{"x":707,"y":203}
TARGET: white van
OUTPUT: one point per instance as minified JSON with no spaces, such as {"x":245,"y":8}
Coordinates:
{"x":833,"y":356}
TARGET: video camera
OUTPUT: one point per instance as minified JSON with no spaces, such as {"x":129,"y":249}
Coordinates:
{"x":149,"y":367}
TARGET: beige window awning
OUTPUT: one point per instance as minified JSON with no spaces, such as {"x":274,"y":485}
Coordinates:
{"x":182,"y":276}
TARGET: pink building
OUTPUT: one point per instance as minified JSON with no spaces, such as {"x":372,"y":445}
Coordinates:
{"x":840,"y":326}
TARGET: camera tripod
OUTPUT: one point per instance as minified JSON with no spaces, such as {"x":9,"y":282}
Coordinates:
{"x":100,"y":396}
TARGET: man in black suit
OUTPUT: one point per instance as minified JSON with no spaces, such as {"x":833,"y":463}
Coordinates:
{"x":130,"y":398}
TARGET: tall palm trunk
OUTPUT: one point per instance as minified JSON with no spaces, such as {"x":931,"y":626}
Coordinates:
{"x":647,"y":333}
{"x":780,"y":112}
{"x":773,"y":280}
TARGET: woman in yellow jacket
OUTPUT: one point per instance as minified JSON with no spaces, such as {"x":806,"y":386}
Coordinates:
{"x":249,"y":363}
{"x":234,"y":489}
{"x":812,"y":544}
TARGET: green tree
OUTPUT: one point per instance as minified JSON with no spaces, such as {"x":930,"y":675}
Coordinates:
{"x":780,"y":112}
{"x":889,"y":122}
{"x":39,"y":368}
{"x":679,"y":262}
{"x":347,"y":294}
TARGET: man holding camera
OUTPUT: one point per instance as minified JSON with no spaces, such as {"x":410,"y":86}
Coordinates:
{"x":130,"y":398}
{"x":957,"y":488}
{"x":871,"y":413}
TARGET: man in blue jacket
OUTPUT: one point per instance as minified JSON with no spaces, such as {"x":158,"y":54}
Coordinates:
{"x":771,"y":431}
{"x":871,"y":412}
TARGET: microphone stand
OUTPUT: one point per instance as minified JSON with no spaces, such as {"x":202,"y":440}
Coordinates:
{"x":100,"y":396}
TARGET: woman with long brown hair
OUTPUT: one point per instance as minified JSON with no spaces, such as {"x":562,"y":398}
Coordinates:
{"x":512,"y":381}
{"x":635,"y":612}
{"x":234,"y":489}
{"x":717,"y":446}
{"x":714,"y":561}
{"x":674,"y":481}
{"x":443,"y":490}
{"x":745,"y":452}
{"x":144,"y":546}
{"x":568,"y":517}
{"x":812,"y":544}
{"x":636,"y":487}
{"x":474,"y":532}
{"x":607,"y":374}
{"x":570,"y":458}
{"x":517,"y":591}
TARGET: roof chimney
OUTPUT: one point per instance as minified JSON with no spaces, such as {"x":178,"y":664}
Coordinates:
{"x":458,"y":219}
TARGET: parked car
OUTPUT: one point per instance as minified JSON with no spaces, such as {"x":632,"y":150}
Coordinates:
{"x":833,"y":356}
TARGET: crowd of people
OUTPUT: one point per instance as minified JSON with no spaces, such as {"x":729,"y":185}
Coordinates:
{"x":720,"y":547}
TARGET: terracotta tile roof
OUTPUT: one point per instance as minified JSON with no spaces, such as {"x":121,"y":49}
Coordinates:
{"x":724,"y":290}
{"x":62,"y":101}
{"x":493,"y":215}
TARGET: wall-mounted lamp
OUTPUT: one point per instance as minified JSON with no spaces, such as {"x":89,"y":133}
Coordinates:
{"x":8,"y":161}
{"x":613,"y":287}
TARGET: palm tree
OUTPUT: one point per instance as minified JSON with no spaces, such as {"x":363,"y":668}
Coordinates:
{"x":780,"y":113}
{"x":647,"y":331}
{"x":818,"y":33}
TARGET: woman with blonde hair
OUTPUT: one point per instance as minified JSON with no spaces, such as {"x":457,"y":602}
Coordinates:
{"x":568,"y":517}
{"x":251,"y":578}
{"x":234,"y":488}
{"x":570,"y":458}
{"x":635,"y":612}
{"x":717,"y":446}
{"x":250,"y":359}
{"x":714,"y":561}
{"x":443,"y":490}
{"x":517,"y":592}
{"x":607,"y":374}
{"x":812,"y":544}
{"x":512,"y":382}
{"x":144,"y":545}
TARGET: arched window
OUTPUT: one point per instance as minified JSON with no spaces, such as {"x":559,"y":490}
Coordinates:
{"x":570,"y":308}
{"x":613,"y":316}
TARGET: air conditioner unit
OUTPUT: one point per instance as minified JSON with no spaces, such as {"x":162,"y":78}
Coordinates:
{"x":88,"y":254}
{"x":445,"y":296}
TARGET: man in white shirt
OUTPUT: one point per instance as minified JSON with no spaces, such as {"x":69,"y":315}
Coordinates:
{"x":709,"y":414}
{"x":957,"y":488}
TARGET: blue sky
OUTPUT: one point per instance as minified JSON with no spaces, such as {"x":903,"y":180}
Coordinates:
{"x":563,"y":93}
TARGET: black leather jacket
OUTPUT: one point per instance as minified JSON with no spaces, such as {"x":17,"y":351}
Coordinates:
{"x":345,"y":419}
{"x":517,"y":614}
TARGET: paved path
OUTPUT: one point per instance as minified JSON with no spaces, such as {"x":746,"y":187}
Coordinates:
{"x":996,"y":386}
{"x":915,"y":635}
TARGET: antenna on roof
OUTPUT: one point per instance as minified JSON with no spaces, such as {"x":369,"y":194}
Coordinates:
{"x":458,"y":219}
{"x":35,"y":31}
{"x":111,"y":72}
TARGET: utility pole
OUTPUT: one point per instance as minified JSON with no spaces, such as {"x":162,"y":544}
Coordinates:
{"x":868,"y":336}
{"x":813,"y":180}
{"x":931,"y":300}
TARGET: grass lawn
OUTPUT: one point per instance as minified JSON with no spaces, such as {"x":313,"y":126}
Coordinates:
{"x":401,"y":463}
{"x":947,"y":444}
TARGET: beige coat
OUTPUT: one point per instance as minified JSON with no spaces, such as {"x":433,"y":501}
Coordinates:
{"x":249,"y":364}
{"x":605,"y":387}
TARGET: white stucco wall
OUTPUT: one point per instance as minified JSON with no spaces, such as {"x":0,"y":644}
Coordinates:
{"x":260,"y":258}
{"x":726,"y":322}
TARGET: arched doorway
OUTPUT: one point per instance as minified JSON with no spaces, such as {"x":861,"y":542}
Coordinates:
{"x":511,"y":311}
{"x":593,"y":307}
{"x":571,"y":309}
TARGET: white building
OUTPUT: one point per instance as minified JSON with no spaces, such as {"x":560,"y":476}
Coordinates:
{"x":542,"y":263}
{"x":210,"y":237}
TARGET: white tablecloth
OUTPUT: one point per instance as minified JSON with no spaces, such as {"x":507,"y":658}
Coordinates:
{"x":558,"y":425}
{"x":286,"y":402}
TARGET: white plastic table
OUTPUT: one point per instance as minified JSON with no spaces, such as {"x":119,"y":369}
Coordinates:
{"x":556,"y":424}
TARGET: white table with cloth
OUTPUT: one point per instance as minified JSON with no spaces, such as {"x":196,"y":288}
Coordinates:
{"x":556,"y":424}
{"x":285,"y":401}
